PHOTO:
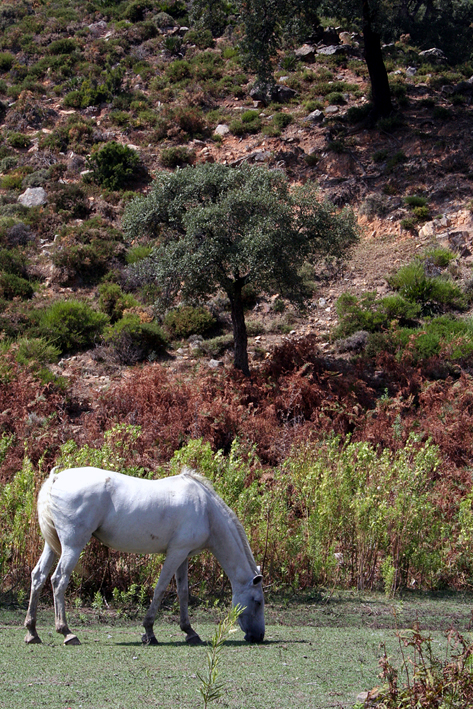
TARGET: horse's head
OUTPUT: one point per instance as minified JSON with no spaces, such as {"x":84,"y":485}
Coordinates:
{"x":250,"y":598}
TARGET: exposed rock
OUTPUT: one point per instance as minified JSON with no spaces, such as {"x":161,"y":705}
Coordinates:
{"x":306,"y":53}
{"x":215,"y":363}
{"x":315,"y":116}
{"x":222,"y":129}
{"x":33,"y":197}
{"x":333,"y":49}
{"x":434,"y":55}
{"x":282,"y":94}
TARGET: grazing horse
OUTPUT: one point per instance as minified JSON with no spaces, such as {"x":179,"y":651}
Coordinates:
{"x":179,"y":516}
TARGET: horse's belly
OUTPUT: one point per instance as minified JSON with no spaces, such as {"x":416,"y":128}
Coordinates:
{"x":137,"y":543}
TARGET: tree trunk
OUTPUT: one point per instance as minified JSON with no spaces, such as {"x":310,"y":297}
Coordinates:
{"x":240,"y":336}
{"x":380,"y":90}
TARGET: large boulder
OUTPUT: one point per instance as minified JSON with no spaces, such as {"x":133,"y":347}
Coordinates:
{"x":33,"y":197}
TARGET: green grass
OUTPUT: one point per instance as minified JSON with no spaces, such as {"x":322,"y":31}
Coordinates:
{"x":319,"y":651}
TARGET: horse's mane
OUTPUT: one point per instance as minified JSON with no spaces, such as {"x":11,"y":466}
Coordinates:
{"x":190,"y":472}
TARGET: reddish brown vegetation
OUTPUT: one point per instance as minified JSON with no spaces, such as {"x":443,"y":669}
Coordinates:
{"x":297,"y":396}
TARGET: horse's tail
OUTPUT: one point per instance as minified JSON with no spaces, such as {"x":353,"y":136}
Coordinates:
{"x":45,"y":516}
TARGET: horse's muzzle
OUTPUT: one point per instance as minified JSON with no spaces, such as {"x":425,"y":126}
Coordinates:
{"x":250,"y":638}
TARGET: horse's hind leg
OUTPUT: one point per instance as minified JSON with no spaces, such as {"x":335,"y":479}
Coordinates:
{"x":59,"y":580}
{"x":182,"y":581}
{"x":38,"y":578}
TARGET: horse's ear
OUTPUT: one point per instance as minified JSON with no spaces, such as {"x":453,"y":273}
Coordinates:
{"x":257,"y":579}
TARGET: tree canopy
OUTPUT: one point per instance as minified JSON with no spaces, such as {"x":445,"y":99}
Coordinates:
{"x":221,"y":228}
{"x":268,"y":24}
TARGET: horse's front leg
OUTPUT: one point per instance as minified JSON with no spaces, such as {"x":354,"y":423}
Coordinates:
{"x":60,"y":580}
{"x":182,"y":581}
{"x":38,"y":578}
{"x":172,"y":562}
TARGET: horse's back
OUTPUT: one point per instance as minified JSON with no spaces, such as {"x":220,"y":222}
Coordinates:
{"x":131,"y":514}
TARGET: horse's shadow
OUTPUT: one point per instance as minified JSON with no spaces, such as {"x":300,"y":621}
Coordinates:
{"x":229,"y":643}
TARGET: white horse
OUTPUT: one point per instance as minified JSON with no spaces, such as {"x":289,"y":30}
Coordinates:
{"x":179,"y":515}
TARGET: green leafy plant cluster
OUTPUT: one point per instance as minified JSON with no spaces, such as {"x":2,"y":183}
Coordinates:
{"x":135,"y":341}
{"x":114,"y":166}
{"x":13,"y":276}
{"x":188,"y":320}
{"x":71,"y":325}
{"x":372,"y":314}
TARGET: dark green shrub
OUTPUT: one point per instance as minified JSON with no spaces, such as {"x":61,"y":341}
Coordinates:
{"x":72,"y":325}
{"x":11,"y":182}
{"x":187,"y":320}
{"x":64,"y":45}
{"x":18,"y":140}
{"x":397,"y":159}
{"x":335,"y":98}
{"x":138,"y":253}
{"x":439,"y":256}
{"x":179,"y":70}
{"x":113,"y":301}
{"x":6,"y":61}
{"x":432,"y":293}
{"x":356,"y":114}
{"x":85,"y":263}
{"x":250,"y":122}
{"x":70,"y":200}
{"x":415,"y":201}
{"x":390,"y":124}
{"x":282,"y":120}
{"x":190,"y":119}
{"x":134,"y":341}
{"x":200,"y":37}
{"x":36,"y":350}
{"x":442,"y":334}
{"x":176,"y":156}
{"x":13,"y":286}
{"x":422,"y":214}
{"x":114,"y":166}
{"x":372,"y":314}
{"x":442,"y":113}
{"x":13,"y":261}
{"x":136,"y":11}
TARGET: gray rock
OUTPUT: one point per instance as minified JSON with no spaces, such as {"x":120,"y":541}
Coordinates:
{"x":434,"y":55}
{"x":316,"y":116}
{"x":215,"y":363}
{"x":411,"y":71}
{"x":222,"y":129}
{"x":282,"y":94}
{"x":33,"y":197}
{"x":333,"y":49}
{"x":306,"y":53}
{"x":262,"y":155}
{"x":330,"y":110}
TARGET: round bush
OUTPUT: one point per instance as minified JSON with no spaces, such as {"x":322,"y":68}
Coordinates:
{"x":134,"y":341}
{"x":114,"y":166}
{"x":186,"y":320}
{"x":12,"y":286}
{"x":72,"y":325}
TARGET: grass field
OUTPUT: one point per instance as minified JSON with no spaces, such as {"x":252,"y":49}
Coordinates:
{"x":318,"y":653}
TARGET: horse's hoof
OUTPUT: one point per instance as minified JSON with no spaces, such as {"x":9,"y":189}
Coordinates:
{"x":32,"y":639}
{"x":71,"y":640}
{"x":148,"y":640}
{"x":193,"y":639}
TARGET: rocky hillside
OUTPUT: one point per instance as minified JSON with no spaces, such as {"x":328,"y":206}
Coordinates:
{"x":95,"y":102}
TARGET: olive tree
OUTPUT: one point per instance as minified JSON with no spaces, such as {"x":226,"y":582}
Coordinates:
{"x":221,"y":228}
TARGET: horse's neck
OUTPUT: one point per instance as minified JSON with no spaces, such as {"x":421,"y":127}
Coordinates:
{"x":229,"y":548}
